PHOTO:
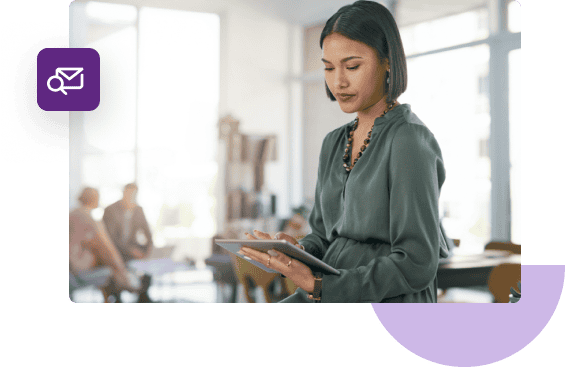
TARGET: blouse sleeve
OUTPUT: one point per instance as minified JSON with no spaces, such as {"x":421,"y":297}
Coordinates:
{"x":416,"y":174}
{"x":316,"y":243}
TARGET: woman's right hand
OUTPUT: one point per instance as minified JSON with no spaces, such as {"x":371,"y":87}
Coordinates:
{"x":278,"y":236}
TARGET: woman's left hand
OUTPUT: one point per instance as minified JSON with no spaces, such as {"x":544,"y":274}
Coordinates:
{"x":293,"y":269}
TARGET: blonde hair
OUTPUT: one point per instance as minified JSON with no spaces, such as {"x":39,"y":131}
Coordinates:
{"x":89,"y":196}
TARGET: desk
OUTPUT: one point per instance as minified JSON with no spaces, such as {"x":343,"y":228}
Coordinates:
{"x":472,"y":270}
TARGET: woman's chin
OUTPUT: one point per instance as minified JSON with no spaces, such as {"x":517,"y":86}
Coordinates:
{"x":348,"y":108}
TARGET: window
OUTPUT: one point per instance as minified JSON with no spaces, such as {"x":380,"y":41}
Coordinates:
{"x":177,"y":137}
{"x":514,"y":16}
{"x":156,"y":125}
{"x":108,"y":160}
{"x":439,"y":33}
{"x":514,"y":64}
{"x":450,"y":85}
{"x":443,"y":93}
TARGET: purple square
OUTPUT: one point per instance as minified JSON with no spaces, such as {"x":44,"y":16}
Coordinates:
{"x":73,"y":75}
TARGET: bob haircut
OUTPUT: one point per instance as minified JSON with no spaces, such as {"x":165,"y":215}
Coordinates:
{"x":372,"y":24}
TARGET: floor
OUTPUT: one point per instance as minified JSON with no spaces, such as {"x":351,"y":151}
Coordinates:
{"x":195,"y":286}
{"x":466,"y":295}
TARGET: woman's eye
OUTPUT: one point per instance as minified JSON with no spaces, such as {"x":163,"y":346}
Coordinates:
{"x":352,"y":68}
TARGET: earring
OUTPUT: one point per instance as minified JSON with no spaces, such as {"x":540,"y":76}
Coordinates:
{"x":388,"y":77}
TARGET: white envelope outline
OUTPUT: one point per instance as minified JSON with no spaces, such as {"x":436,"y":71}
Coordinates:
{"x":65,"y":73}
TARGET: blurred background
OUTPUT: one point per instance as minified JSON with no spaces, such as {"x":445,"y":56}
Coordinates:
{"x":216,"y":109}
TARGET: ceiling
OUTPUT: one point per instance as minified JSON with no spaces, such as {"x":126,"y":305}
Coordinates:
{"x":314,"y":12}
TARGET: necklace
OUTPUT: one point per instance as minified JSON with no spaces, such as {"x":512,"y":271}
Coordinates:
{"x":365,"y":142}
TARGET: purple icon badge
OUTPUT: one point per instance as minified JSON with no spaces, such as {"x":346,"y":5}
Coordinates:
{"x":68,"y":79}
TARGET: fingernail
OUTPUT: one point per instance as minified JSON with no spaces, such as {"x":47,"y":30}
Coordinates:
{"x":272,"y":253}
{"x":277,"y":236}
{"x":246,"y":257}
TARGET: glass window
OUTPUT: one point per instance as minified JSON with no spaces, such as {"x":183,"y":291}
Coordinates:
{"x":109,"y":173}
{"x":111,"y":127}
{"x":448,"y":92}
{"x":179,"y":60}
{"x":470,"y":26}
{"x":111,"y":13}
{"x":172,"y":139}
{"x":514,"y":16}
{"x":514,"y":61}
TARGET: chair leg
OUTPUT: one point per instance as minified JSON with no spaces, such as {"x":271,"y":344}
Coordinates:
{"x":249,"y":286}
{"x":111,"y":293}
{"x":233,"y":298}
{"x":106,"y":295}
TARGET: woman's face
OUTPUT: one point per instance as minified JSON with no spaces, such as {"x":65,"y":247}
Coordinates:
{"x":353,"y":73}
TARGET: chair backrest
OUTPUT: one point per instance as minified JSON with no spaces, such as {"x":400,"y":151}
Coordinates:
{"x":507,"y":246}
{"x":274,"y":287}
{"x":501,"y":279}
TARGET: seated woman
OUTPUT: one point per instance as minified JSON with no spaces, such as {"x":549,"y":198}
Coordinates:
{"x":89,"y":243}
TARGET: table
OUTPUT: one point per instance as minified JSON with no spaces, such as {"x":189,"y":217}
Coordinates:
{"x":472,"y":270}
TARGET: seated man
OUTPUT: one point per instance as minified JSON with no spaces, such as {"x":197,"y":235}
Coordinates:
{"x":128,"y":228}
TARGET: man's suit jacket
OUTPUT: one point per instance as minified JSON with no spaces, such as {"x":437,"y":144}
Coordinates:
{"x":114,"y":219}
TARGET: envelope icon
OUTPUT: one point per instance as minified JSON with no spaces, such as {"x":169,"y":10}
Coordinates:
{"x":68,"y":74}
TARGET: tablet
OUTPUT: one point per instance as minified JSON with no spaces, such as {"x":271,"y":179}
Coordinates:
{"x":280,"y":245}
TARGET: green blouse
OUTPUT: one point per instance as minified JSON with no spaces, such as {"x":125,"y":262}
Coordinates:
{"x":379,"y":224}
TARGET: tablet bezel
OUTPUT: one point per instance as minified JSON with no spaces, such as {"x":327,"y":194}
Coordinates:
{"x":283,"y":246}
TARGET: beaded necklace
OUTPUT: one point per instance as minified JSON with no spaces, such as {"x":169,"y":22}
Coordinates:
{"x":365,"y":142}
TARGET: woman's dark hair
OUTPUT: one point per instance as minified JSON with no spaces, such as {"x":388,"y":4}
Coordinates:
{"x":372,"y":24}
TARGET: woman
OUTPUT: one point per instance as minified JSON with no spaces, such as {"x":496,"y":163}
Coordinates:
{"x":375,"y":216}
{"x":89,"y":243}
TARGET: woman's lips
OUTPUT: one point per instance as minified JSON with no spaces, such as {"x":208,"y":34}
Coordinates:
{"x":345,"y":97}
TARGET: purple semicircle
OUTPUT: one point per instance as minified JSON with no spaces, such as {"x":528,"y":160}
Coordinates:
{"x":473,"y":334}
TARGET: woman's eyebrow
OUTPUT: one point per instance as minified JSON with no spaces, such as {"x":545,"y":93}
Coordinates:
{"x":345,"y":59}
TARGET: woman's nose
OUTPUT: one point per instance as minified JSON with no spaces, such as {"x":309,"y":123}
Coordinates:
{"x":340,"y":80}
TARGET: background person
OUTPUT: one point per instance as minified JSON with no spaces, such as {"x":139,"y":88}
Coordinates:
{"x":90,"y":246}
{"x":128,"y":228}
{"x":126,"y":223}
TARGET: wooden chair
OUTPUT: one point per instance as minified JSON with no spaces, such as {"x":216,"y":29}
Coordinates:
{"x":273,"y":285}
{"x":501,"y":279}
{"x":507,"y":246}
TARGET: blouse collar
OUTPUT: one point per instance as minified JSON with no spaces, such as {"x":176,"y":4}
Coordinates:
{"x":400,"y":109}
